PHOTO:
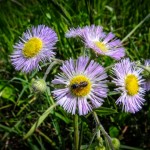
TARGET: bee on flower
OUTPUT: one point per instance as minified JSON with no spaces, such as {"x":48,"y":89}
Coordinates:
{"x":83,"y":85}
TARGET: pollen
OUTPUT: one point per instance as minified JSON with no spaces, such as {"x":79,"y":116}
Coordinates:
{"x":80,"y":85}
{"x":131,"y":84}
{"x":101,"y":46}
{"x":32,"y":47}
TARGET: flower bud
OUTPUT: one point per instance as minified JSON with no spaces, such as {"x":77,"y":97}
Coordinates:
{"x":39,"y":85}
{"x":116,"y":143}
{"x":100,"y":148}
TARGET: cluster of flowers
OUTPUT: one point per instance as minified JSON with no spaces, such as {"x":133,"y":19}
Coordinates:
{"x":84,"y":80}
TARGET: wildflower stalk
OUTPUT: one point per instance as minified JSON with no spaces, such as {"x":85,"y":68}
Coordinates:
{"x":105,"y":134}
{"x":94,"y":134}
{"x":58,"y":60}
{"x":76,"y":132}
{"x":137,"y":26}
{"x":109,"y":67}
{"x":143,"y":67}
{"x":49,"y":69}
{"x":81,"y":135}
{"x":53,"y":144}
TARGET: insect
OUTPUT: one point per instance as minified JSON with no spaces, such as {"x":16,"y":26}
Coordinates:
{"x":79,"y":85}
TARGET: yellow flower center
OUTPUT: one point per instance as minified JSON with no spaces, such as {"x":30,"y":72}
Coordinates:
{"x":32,"y":47}
{"x":80,"y":85}
{"x":101,"y":46}
{"x":131,"y":84}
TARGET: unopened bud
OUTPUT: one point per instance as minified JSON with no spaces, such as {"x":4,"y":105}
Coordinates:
{"x":100,"y":148}
{"x":116,"y":143}
{"x":39,"y":85}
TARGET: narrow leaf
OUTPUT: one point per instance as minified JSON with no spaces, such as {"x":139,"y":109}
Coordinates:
{"x":39,"y":121}
{"x":105,"y":111}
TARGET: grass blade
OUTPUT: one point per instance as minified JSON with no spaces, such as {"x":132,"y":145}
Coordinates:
{"x":39,"y":121}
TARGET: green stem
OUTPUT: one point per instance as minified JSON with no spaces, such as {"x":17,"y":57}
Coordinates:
{"x":53,"y":144}
{"x":132,"y":31}
{"x":81,"y":135}
{"x":97,"y":121}
{"x":143,"y":67}
{"x":94,"y":134}
{"x":58,"y":60}
{"x":76,"y":132}
{"x":109,"y":67}
{"x":105,"y":134}
{"x":49,"y":69}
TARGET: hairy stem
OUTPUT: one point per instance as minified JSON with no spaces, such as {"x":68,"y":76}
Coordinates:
{"x":49,"y":69}
{"x":105,"y":134}
{"x":76,"y":132}
{"x":143,"y":67}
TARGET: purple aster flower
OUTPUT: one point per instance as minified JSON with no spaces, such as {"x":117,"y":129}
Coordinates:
{"x":83,"y":85}
{"x":102,"y":43}
{"x":129,"y":82}
{"x":147,"y":76}
{"x":35,"y":45}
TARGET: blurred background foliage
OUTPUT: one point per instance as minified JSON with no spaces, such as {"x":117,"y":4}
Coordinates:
{"x":20,"y":107}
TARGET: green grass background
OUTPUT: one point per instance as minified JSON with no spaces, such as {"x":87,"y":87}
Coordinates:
{"x":20,"y":107}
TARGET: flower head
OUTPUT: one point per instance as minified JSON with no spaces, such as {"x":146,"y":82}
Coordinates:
{"x":83,"y":85}
{"x":35,"y":45}
{"x":116,"y":143}
{"x":129,"y":83}
{"x":102,"y":43}
{"x":146,"y":74}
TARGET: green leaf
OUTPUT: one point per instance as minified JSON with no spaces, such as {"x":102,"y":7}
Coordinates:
{"x":136,"y":27}
{"x":8,"y":130}
{"x":113,"y":131}
{"x":64,"y":118}
{"x":39,"y":121}
{"x":8,"y":93}
{"x":6,"y":106}
{"x":105,"y":111}
{"x":123,"y":147}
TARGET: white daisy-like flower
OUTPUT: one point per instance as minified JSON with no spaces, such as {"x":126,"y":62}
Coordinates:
{"x":35,"y":46}
{"x":83,"y":85}
{"x":95,"y":38}
{"x":129,"y":83}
